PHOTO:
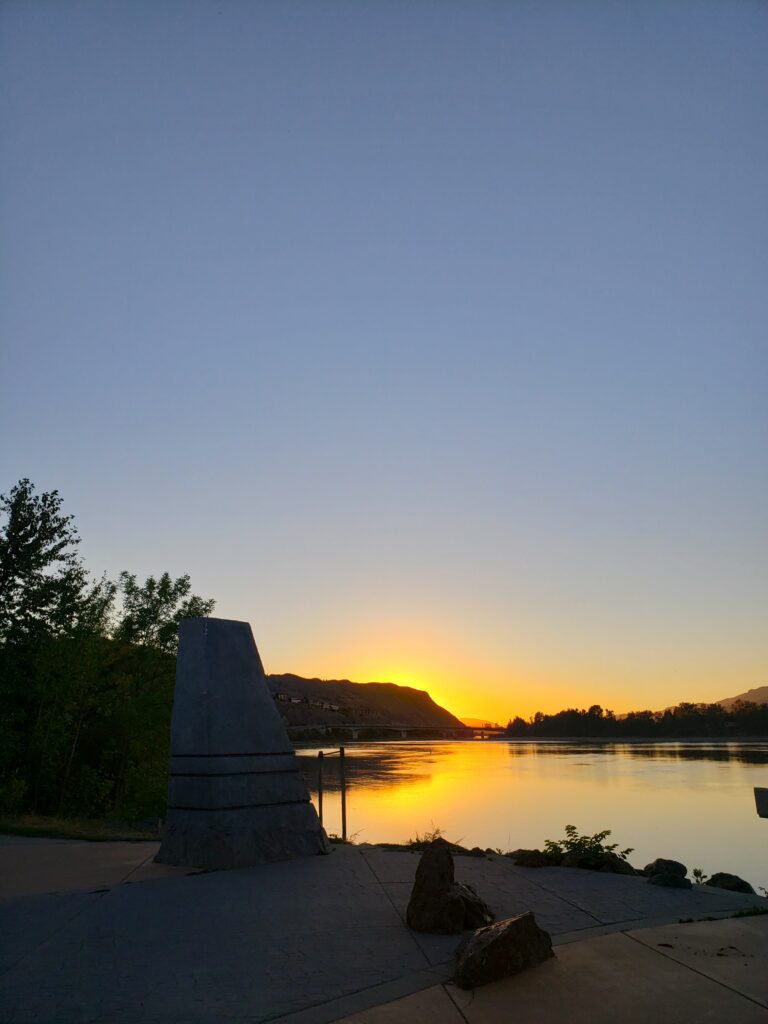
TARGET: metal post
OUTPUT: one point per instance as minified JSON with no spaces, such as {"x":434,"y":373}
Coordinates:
{"x":343,"y":776}
{"x":320,"y":785}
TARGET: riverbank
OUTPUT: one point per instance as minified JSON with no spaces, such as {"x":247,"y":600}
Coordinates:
{"x":98,"y":932}
{"x":94,"y":830}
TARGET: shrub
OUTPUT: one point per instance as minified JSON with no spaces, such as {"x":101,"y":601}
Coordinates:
{"x":588,"y":846}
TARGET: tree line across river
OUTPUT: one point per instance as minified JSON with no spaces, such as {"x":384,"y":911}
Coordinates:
{"x":692,"y":721}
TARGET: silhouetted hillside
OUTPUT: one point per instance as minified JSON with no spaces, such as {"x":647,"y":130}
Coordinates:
{"x":339,"y":701}
{"x":757,"y":696}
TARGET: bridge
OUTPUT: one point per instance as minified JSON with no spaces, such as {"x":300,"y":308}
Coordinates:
{"x":355,"y":729}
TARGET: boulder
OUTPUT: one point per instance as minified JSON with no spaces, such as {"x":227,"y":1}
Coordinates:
{"x":477,"y":913}
{"x":501,"y":949}
{"x":601,"y":860}
{"x":660,"y":866}
{"x":438,"y":904}
{"x":616,"y":865}
{"x":722,"y":880}
{"x":532,"y":859}
{"x":670,"y":881}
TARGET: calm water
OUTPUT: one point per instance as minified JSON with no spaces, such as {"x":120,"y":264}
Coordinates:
{"x":689,"y":801}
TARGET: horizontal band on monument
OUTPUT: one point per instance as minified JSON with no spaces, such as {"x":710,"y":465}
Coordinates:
{"x":258,"y":753}
{"x":226,"y":775}
{"x":239,"y":807}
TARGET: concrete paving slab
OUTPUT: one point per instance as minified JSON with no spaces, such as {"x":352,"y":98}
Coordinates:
{"x":506,"y":890}
{"x":358,"y":1002}
{"x":733,"y":952}
{"x":618,"y":898}
{"x":431,"y":1006}
{"x":301,"y":942}
{"x":602,"y":980}
{"x":28,"y":922}
{"x":246,"y":945}
{"x":71,"y":865}
{"x":564,"y":899}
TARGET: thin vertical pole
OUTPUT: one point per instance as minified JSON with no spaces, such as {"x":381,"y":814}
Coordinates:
{"x":343,"y":774}
{"x":320,"y":785}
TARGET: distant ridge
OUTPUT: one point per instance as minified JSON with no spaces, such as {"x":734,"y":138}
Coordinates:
{"x":757,"y":696}
{"x":338,"y":701}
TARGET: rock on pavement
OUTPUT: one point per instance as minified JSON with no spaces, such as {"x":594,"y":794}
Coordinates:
{"x":501,"y":949}
{"x":438,"y":904}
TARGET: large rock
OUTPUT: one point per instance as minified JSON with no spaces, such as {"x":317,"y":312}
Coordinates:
{"x":668,"y":873}
{"x":603,"y":860}
{"x":662,"y":866}
{"x":439,"y":904}
{"x":723,"y":880}
{"x":236,"y":794}
{"x":477,"y":913}
{"x":670,"y":881}
{"x":533,"y":859}
{"x":501,"y":949}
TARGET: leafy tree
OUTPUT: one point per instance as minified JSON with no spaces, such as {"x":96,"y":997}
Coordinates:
{"x":43,"y":585}
{"x":86,"y":687}
{"x":151,"y":612}
{"x":517,"y":726}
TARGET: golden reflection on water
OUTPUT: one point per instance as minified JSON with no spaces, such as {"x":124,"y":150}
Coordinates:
{"x":689,"y":801}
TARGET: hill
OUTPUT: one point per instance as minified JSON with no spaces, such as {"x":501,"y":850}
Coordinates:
{"x":340,"y":701}
{"x":757,"y":696}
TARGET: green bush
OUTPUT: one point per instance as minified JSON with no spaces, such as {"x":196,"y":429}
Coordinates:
{"x":587,"y":846}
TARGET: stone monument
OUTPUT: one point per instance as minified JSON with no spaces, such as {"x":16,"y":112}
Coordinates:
{"x":236,"y":795}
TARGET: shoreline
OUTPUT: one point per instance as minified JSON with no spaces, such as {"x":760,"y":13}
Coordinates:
{"x":604,"y":740}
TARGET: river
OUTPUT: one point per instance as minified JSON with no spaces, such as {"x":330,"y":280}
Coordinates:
{"x":691,"y":801}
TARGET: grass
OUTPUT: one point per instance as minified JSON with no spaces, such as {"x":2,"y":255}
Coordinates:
{"x":92,"y":829}
{"x":420,"y":841}
{"x":751,"y":912}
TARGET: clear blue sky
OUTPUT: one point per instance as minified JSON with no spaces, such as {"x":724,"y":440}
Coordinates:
{"x":428,"y":337}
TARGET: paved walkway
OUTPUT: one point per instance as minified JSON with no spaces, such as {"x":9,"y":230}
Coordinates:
{"x":303,"y":942}
{"x":714,"y":971}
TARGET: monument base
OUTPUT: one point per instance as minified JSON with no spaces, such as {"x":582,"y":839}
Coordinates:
{"x":236,"y":793}
{"x":243,"y":838}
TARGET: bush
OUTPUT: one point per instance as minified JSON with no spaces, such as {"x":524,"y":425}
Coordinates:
{"x":586,"y":846}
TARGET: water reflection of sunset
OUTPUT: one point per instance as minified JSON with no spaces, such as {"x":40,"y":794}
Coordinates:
{"x":658,"y":798}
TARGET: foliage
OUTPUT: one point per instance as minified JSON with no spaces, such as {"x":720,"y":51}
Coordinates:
{"x":430,"y":835}
{"x":86,"y":683}
{"x":588,"y":846}
{"x":698,"y":876}
{"x":72,"y":828}
{"x":422,"y":841}
{"x":151,"y":613}
{"x":743,"y":718}
{"x":42,"y":580}
{"x":751,"y":911}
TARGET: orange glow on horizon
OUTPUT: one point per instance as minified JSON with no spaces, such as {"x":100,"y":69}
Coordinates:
{"x":500,"y":679}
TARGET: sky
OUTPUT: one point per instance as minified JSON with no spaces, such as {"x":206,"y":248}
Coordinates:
{"x":427,"y":337}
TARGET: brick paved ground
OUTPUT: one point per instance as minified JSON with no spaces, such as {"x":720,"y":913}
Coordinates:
{"x":307,"y":941}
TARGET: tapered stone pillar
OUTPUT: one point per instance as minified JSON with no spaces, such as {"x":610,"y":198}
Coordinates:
{"x":236,"y":795}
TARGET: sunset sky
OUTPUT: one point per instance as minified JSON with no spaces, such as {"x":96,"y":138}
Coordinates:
{"x":428,"y":337}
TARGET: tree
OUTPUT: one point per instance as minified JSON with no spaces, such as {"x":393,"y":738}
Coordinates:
{"x":43,"y":584}
{"x":85,"y":690}
{"x":151,"y":613}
